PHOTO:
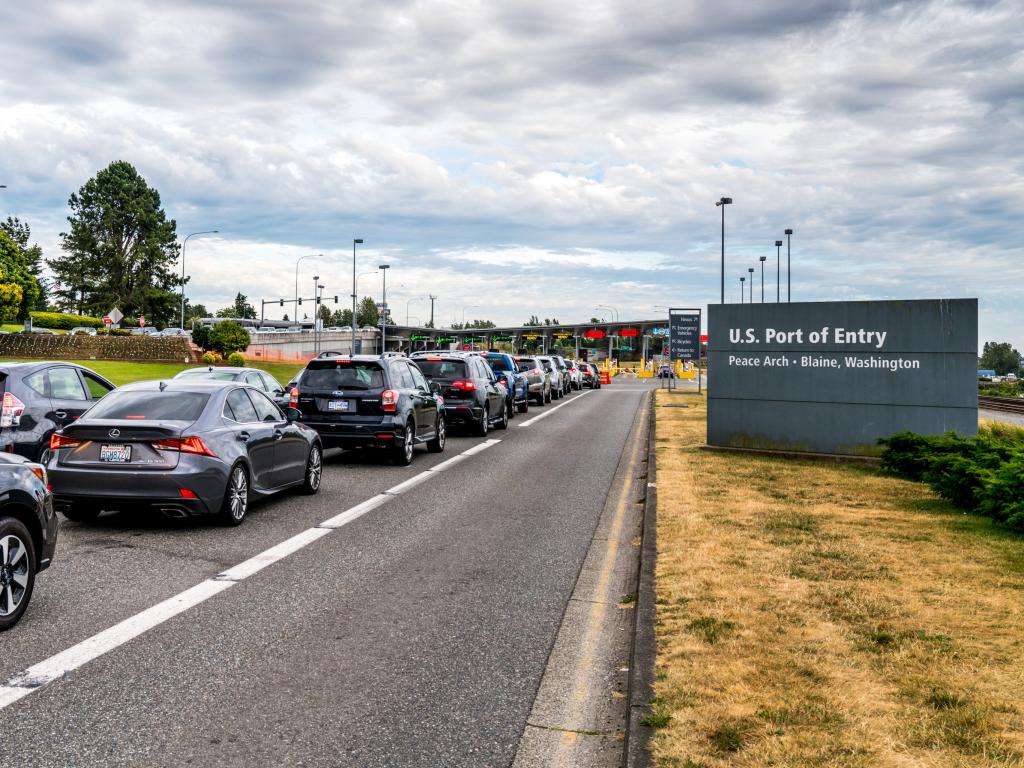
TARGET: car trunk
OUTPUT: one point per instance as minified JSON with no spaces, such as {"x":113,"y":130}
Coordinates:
{"x":343,"y":390}
{"x":449,"y":375}
{"x":122,"y":444}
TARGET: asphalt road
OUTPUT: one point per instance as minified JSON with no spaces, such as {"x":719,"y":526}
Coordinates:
{"x":414,"y":635}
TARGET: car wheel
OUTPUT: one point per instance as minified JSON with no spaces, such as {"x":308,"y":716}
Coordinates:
{"x":44,"y":455}
{"x":484,"y":424}
{"x":503,"y":422}
{"x":547,"y":396}
{"x":524,"y":405}
{"x":17,"y":571}
{"x":511,"y":409}
{"x":236,"y":497}
{"x":437,"y":444}
{"x":403,"y":452}
{"x":81,"y":513}
{"x":314,"y":470}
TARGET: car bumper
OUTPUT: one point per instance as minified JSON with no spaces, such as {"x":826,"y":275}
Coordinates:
{"x":462,"y":414}
{"x":336,"y":434}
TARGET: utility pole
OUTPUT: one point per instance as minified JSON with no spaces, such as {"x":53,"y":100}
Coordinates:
{"x":433,"y":298}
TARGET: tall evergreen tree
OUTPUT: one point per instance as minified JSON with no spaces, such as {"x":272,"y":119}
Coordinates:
{"x":31,"y":255}
{"x":121,"y":249}
{"x":241,"y":308}
{"x":367,"y":312}
{"x":19,"y":290}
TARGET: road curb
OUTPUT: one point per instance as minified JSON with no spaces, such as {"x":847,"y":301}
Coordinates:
{"x":641,"y":664}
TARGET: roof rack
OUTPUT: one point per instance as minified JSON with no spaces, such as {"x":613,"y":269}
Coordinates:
{"x":332,"y":353}
{"x":392,"y":354}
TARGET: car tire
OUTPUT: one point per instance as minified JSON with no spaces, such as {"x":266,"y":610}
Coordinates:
{"x":547,"y":396}
{"x":440,"y":435}
{"x":484,"y":424}
{"x":402,"y":454}
{"x":511,"y":409}
{"x":44,"y":454}
{"x":236,"y":497}
{"x":17,"y":570}
{"x":81,"y":513}
{"x":524,"y":405}
{"x":314,"y":471}
{"x":503,"y":422}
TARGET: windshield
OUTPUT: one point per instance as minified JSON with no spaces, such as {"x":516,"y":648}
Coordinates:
{"x":149,"y":406}
{"x":203,"y":373}
{"x":499,"y":363}
{"x":343,"y":375}
{"x":442,"y":369}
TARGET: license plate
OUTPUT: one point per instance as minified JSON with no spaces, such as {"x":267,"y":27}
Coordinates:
{"x":338,"y":405}
{"x":120,"y":454}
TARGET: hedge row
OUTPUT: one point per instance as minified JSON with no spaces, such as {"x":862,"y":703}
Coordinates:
{"x":60,"y":321}
{"x":983,"y":474}
{"x":82,"y":347}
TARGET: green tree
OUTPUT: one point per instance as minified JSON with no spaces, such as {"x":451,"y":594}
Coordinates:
{"x":32,"y":255}
{"x":479,"y":324}
{"x":1000,"y":357}
{"x":227,"y":337}
{"x":285,"y":318}
{"x":324,"y":314}
{"x":533,"y":321}
{"x":194,"y":312}
{"x":342,"y":317}
{"x":19,"y":290}
{"x":120,"y":250}
{"x":366,"y":312}
{"x":241,"y":309}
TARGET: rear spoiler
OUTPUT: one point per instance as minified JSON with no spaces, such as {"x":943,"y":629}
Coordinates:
{"x":127,"y":429}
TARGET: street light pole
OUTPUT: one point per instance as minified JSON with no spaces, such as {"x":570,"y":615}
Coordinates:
{"x":316,"y":313}
{"x":742,"y":280}
{"x":354,"y":242}
{"x":384,"y":307}
{"x":295,"y":309}
{"x":778,"y":271}
{"x":789,"y":275}
{"x":762,"y":260}
{"x":433,"y":298}
{"x":407,"y":303}
{"x":723,"y":202}
{"x":183,"y":244}
{"x":751,"y":271}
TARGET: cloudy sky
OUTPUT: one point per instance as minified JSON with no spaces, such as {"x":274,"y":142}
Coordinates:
{"x":536,"y":157}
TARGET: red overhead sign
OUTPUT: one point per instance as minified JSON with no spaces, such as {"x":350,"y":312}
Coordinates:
{"x":627,"y":332}
{"x":703,"y":338}
{"x":594,"y":334}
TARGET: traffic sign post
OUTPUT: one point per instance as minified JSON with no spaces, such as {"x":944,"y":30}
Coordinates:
{"x":684,"y":338}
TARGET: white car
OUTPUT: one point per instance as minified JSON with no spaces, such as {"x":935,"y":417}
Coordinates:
{"x":83,"y":329}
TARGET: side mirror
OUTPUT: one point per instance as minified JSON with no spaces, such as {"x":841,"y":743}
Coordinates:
{"x":293,"y":414}
{"x":279,"y":392}
{"x":435,"y":388}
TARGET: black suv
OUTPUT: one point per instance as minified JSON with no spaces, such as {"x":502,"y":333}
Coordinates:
{"x":28,"y":534}
{"x":365,"y":401}
{"x":40,"y":398}
{"x":472,"y":393}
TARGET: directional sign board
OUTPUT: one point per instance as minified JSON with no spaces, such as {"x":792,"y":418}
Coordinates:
{"x":115,"y":315}
{"x":684,"y":334}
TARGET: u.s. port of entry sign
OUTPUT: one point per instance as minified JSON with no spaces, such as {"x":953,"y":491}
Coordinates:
{"x":833,"y":377}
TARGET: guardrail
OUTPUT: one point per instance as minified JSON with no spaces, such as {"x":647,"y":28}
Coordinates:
{"x":1006,"y":404}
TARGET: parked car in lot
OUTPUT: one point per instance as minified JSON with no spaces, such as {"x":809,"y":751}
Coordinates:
{"x":146,"y":331}
{"x":39,"y":398}
{"x":559,"y":385}
{"x":366,"y":401}
{"x":507,"y":371}
{"x":28,"y":534}
{"x":538,"y":380}
{"x":252,"y":376}
{"x":83,"y":329}
{"x":473,"y":396}
{"x":590,"y":378}
{"x":173,"y":332}
{"x":182,"y":448}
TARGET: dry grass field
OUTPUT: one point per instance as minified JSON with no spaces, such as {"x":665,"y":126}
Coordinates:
{"x":819,"y":614}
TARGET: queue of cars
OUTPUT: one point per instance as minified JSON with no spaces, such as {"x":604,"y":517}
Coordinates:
{"x":213,"y":439}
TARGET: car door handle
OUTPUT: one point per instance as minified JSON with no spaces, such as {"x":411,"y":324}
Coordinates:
{"x":61,"y":414}
{"x":243,"y":436}
{"x":278,"y":434}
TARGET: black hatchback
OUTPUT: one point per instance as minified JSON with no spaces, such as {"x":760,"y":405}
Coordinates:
{"x":365,"y":401}
{"x":40,"y":398}
{"x":473,"y":396}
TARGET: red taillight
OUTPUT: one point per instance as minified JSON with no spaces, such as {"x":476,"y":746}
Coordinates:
{"x":535,"y":372}
{"x":62,"y":441}
{"x":467,"y":385}
{"x":389,"y":400}
{"x":293,"y":398}
{"x":187,"y":494}
{"x":10,"y":413}
{"x":192,"y":444}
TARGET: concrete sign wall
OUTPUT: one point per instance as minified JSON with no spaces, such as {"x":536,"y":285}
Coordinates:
{"x":833,"y":377}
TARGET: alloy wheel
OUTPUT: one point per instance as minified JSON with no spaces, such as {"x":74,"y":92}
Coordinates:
{"x":315,"y":469}
{"x":238,"y":500}
{"x":441,"y":433}
{"x":409,"y":444}
{"x":14,"y":573}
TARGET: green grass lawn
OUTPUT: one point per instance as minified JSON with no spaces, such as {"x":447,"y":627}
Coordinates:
{"x":15,"y":327}
{"x":124,"y":372}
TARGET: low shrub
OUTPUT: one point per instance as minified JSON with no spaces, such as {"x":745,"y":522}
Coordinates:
{"x":201,"y":336}
{"x":236,"y":360}
{"x":211,"y":358}
{"x":909,"y":455}
{"x":63,"y":322}
{"x":228,"y":336}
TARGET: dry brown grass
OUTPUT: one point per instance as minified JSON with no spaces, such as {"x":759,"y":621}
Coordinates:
{"x":814,"y":614}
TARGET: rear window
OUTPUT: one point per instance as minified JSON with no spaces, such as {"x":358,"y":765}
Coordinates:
{"x":343,"y":375}
{"x":201,"y":373}
{"x":498,"y":363}
{"x":150,"y":406}
{"x":442,"y":369}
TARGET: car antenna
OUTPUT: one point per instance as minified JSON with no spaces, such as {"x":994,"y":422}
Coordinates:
{"x":210,"y":369}
{"x":163,"y":385}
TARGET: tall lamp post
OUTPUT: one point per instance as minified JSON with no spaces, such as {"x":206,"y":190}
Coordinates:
{"x":789,"y":284}
{"x":762,"y":259}
{"x":297,"y":262}
{"x":723,"y":202}
{"x":778,"y":271}
{"x":384,"y":308}
{"x":355,"y":242}
{"x":407,"y":303}
{"x":742,"y":281}
{"x":316,"y":313}
{"x":183,"y":244}
{"x":751,"y":271}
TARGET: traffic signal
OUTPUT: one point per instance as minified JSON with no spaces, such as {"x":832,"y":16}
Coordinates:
{"x":300,"y":302}
{"x":317,"y":299}
{"x":282,"y":302}
{"x":335,"y":299}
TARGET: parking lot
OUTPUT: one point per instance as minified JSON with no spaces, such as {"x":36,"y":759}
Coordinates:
{"x":414,"y":633}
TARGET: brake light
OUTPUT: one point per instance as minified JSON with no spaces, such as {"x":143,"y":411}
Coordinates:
{"x":10,"y":413}
{"x":467,"y":386}
{"x":389,"y":400}
{"x":187,"y":494}
{"x":62,"y":441}
{"x":535,"y":372}
{"x":293,"y":398}
{"x":192,"y":444}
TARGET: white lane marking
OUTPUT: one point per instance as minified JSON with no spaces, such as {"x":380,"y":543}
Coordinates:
{"x":548,"y":413}
{"x":357,"y":511}
{"x":74,"y":657}
{"x":412,"y":482}
{"x":65,"y":662}
{"x":268,"y":557}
